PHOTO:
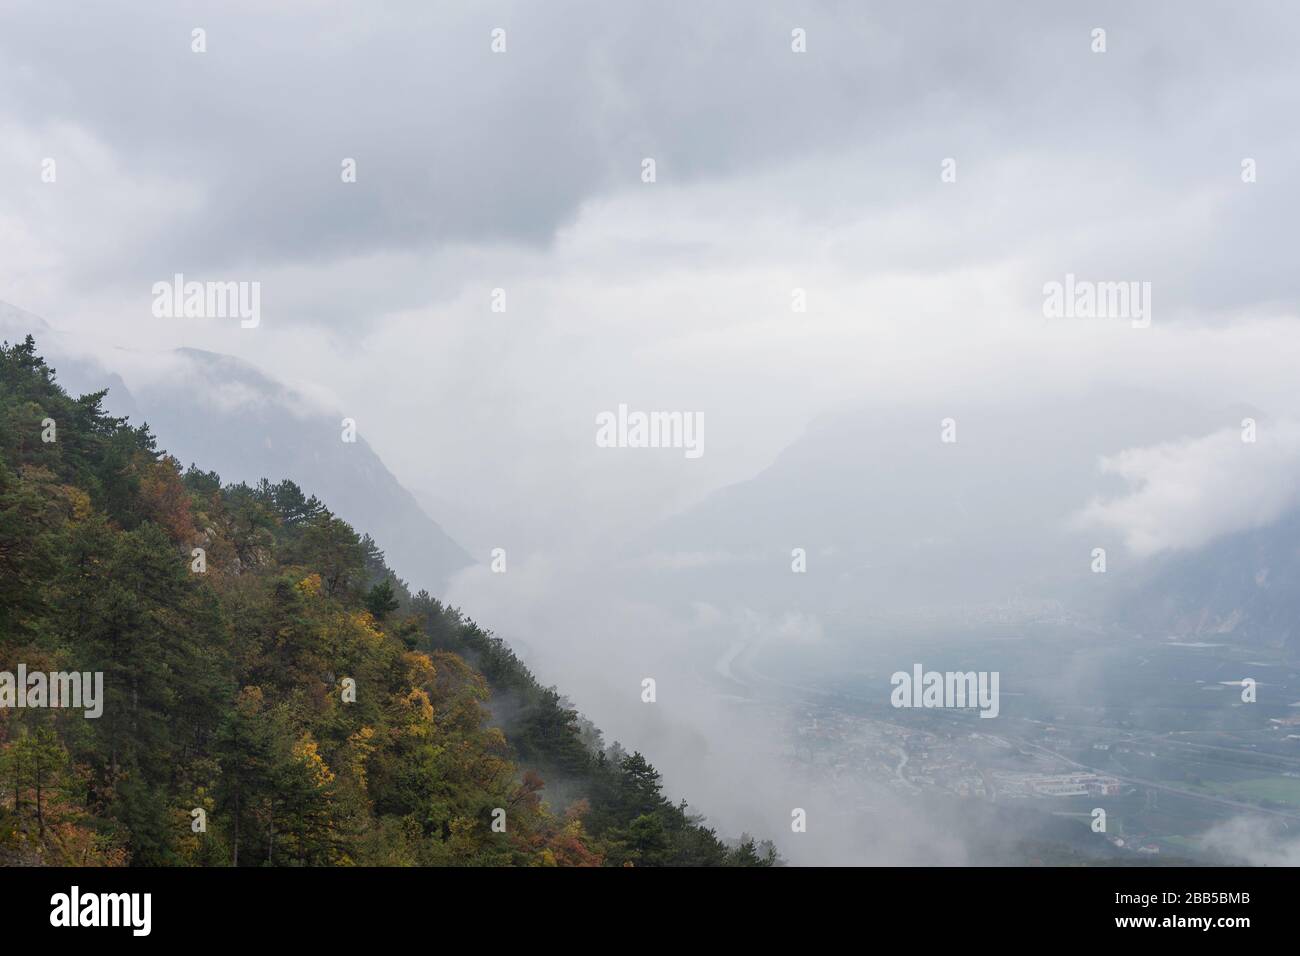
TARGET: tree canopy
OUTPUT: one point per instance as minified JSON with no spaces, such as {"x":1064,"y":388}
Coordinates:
{"x":274,"y":694}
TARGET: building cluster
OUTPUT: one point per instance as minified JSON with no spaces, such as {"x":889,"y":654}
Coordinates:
{"x":1081,"y":784}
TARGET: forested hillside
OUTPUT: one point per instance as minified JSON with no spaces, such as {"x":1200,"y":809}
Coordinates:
{"x":273,"y":695}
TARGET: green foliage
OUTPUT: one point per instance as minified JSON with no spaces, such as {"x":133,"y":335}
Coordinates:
{"x":381,"y":601}
{"x":230,"y":690}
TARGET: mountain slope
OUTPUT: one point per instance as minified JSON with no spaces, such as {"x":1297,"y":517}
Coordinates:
{"x":1241,"y":586}
{"x":246,"y":426}
{"x":270,"y":694}
{"x":893,"y":520}
{"x":239,"y":422}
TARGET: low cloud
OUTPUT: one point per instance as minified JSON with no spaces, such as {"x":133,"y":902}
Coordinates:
{"x":1252,"y":841}
{"x":1183,"y":494}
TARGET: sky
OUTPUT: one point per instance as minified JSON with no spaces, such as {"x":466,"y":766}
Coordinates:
{"x":775,"y":170}
{"x":919,"y":171}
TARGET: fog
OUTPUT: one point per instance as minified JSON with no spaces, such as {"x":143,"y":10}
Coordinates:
{"x":804,"y":273}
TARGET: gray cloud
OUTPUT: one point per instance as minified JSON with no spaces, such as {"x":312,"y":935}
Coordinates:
{"x":1184,"y":494}
{"x":231,"y":159}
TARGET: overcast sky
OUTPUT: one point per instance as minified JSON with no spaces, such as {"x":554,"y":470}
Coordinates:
{"x":775,"y":170}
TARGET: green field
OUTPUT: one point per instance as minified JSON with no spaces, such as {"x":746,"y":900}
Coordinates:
{"x":1274,"y":789}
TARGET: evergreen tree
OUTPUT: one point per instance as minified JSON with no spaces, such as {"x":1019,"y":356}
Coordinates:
{"x":294,"y":689}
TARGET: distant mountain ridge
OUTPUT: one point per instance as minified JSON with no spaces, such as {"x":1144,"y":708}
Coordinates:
{"x":227,"y":415}
{"x":896,"y":523}
{"x":1244,"y":586}
{"x":885,"y":508}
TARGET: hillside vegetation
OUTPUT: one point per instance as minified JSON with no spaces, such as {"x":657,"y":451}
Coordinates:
{"x":273,"y":694}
